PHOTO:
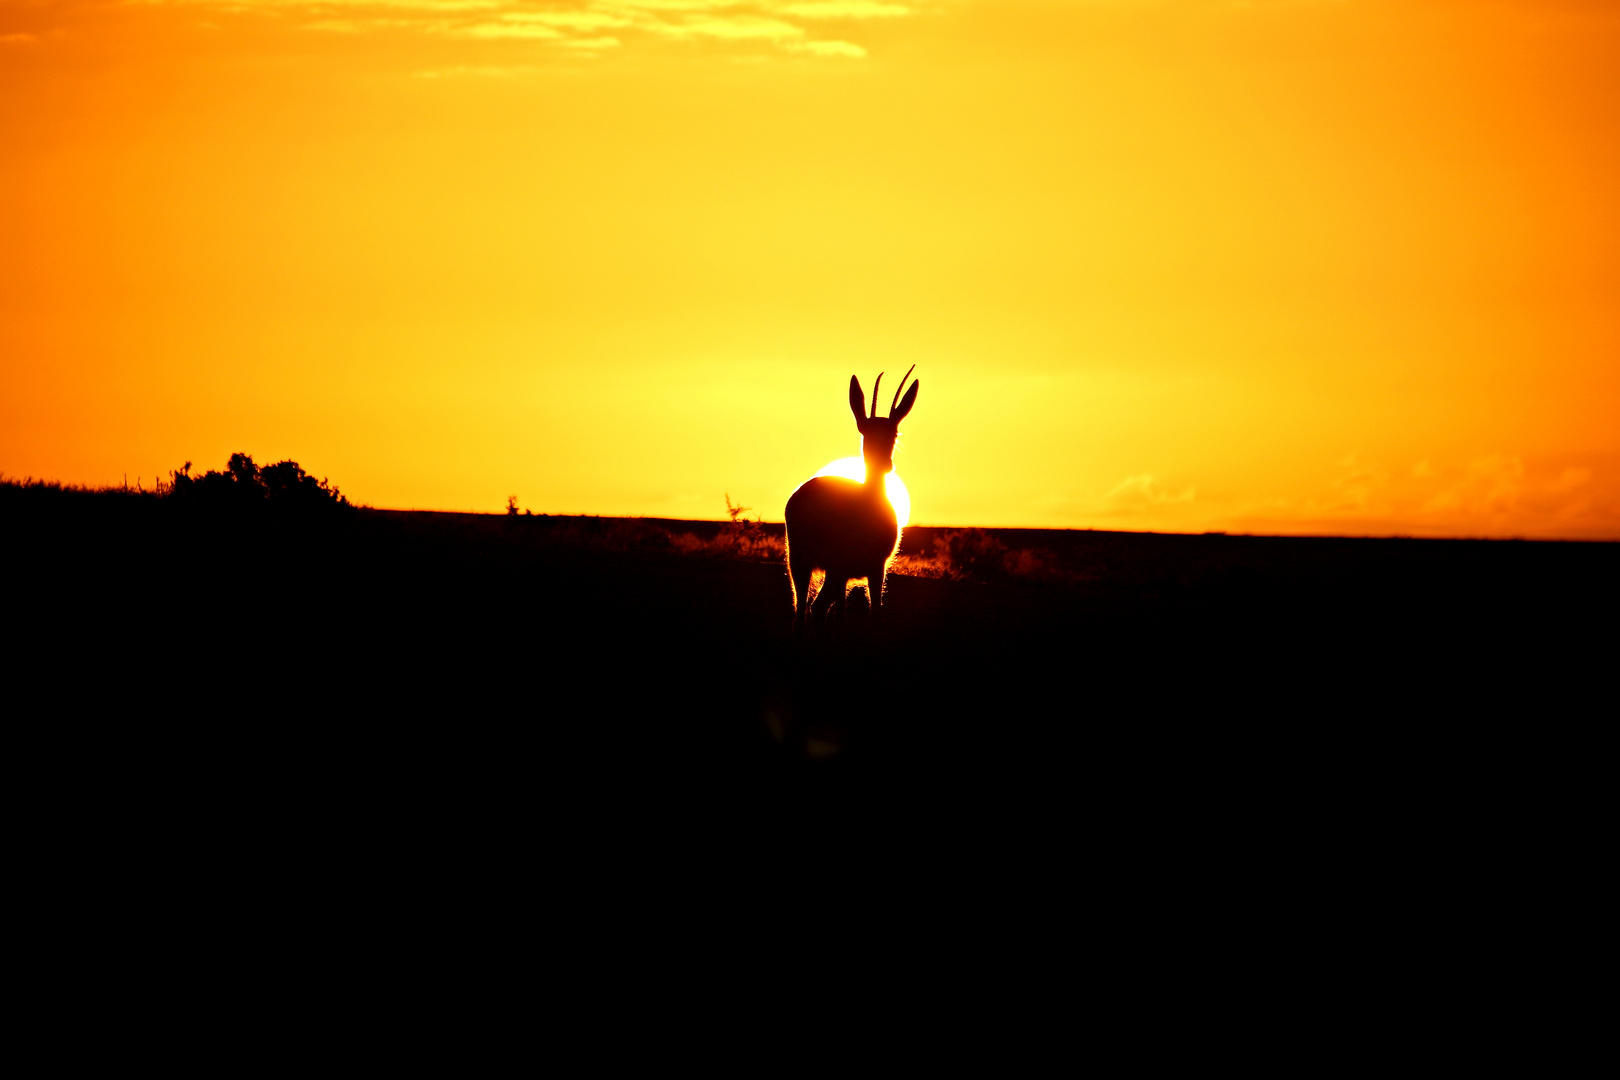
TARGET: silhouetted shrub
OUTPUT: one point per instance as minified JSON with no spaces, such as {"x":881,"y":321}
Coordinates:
{"x":971,"y":555}
{"x":746,"y":538}
{"x":975,"y":555}
{"x":283,"y":486}
{"x":641,"y":536}
{"x":923,"y":566}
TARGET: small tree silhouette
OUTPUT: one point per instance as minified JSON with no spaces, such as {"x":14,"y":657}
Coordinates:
{"x":242,"y":469}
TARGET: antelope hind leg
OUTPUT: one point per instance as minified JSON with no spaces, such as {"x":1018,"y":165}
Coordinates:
{"x":831,"y":593}
{"x":801,"y":594}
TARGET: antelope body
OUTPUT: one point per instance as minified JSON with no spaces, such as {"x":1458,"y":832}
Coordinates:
{"x":845,"y":528}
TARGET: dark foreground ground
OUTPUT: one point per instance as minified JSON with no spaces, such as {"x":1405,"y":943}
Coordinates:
{"x":467,"y":673}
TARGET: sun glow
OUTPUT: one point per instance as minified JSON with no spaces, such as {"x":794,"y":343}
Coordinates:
{"x":854,"y":468}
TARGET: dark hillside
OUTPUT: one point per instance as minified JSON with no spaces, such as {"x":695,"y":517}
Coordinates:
{"x":467,"y":664}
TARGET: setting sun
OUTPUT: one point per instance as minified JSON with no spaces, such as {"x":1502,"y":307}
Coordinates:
{"x":854,"y":468}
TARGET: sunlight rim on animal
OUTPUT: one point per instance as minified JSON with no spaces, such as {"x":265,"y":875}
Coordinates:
{"x":854,"y":468}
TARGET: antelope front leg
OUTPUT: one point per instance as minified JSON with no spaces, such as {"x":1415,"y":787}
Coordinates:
{"x":874,"y":588}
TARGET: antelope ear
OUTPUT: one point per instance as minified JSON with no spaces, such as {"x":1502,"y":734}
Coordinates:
{"x":906,"y":403}
{"x":857,"y":402}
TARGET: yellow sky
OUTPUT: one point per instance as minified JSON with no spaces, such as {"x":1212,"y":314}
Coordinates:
{"x":1286,"y":265}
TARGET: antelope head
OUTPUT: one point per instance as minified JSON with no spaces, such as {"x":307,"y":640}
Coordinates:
{"x":878,"y":432}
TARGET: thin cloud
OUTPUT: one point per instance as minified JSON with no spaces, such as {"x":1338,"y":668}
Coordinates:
{"x":589,"y":44}
{"x":668,"y":5}
{"x":841,"y":9}
{"x":1137,"y":492}
{"x":581,"y":25}
{"x":732,"y":28}
{"x":480,"y":72}
{"x":1499,"y":494}
{"x":829,"y":48}
{"x":1490,"y":486}
{"x":572,"y":20}
{"x":509,"y":28}
{"x":435,"y":6}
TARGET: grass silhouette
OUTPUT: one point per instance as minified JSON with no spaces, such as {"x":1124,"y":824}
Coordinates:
{"x":282,"y":486}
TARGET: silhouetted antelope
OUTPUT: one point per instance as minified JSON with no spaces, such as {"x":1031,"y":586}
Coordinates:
{"x":845,"y":528}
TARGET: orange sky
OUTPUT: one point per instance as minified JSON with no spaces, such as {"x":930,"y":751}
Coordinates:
{"x":1343,"y":266}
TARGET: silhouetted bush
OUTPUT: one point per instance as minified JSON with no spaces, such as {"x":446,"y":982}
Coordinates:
{"x":971,"y":555}
{"x":741,"y":537}
{"x":283,"y":486}
{"x":745,"y":538}
{"x":640,"y":536}
{"x":976,"y":555}
{"x":738,"y":538}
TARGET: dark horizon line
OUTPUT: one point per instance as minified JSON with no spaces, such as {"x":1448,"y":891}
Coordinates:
{"x":24,"y":481}
{"x":1043,"y":529}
